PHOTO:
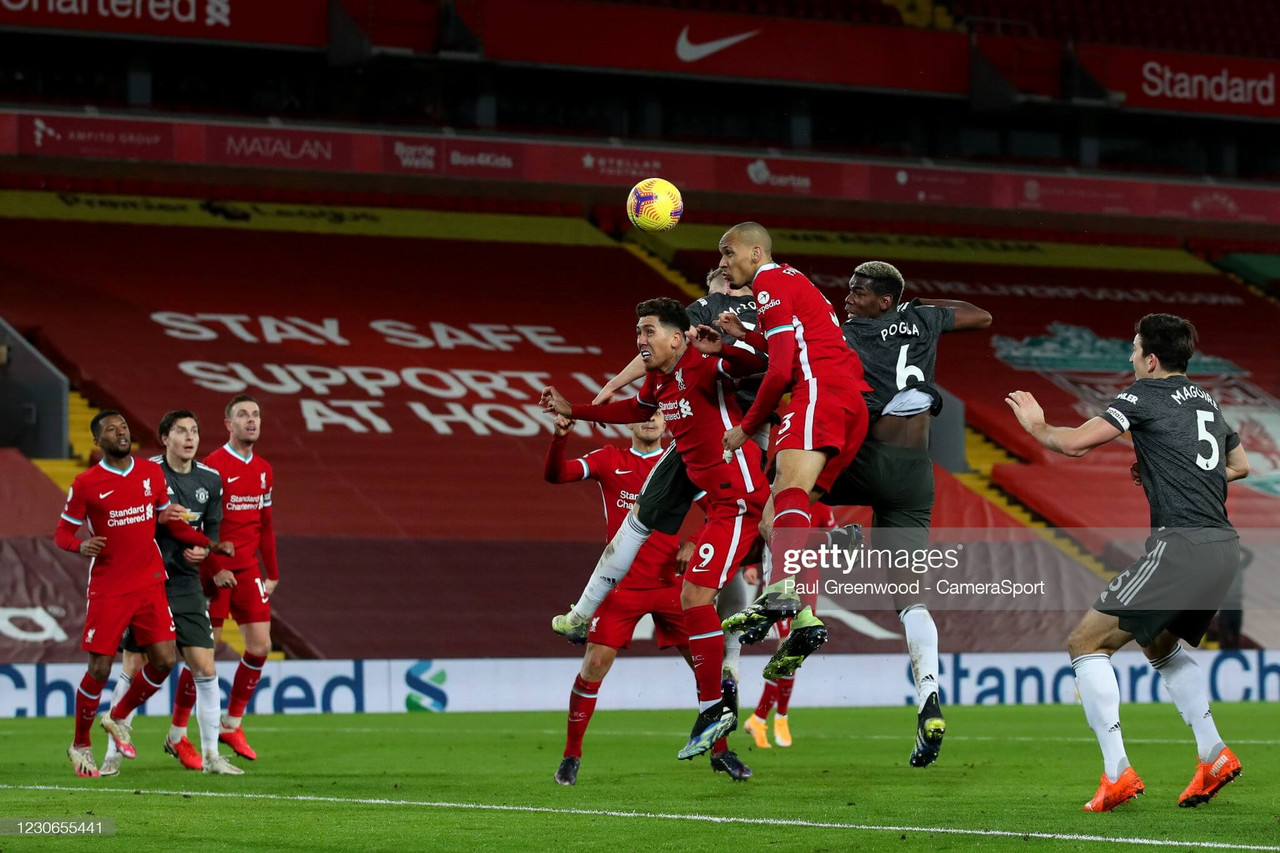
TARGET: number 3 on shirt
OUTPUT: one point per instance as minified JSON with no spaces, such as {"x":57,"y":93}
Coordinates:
{"x":1203,"y":419}
{"x":262,"y":589}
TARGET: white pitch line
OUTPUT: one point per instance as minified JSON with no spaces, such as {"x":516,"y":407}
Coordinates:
{"x":698,"y":818}
{"x":654,"y":733}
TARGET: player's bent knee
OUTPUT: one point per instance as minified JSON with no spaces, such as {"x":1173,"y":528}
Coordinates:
{"x":597,"y":661}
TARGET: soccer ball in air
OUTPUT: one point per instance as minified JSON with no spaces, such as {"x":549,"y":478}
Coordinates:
{"x":654,"y":205}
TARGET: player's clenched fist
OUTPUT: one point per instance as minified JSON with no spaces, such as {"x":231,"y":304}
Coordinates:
{"x":731,"y":325}
{"x":1026,"y":409}
{"x":93,"y":546}
{"x":553,"y":401}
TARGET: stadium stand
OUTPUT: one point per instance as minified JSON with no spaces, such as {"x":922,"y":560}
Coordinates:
{"x":396,"y":415}
{"x":1064,"y":325}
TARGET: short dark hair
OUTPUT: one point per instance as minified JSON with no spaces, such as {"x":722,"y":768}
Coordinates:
{"x":1169,"y":338}
{"x":239,"y":398}
{"x":95,"y":425}
{"x":669,"y":312}
{"x":885,"y":279}
{"x":170,"y":418}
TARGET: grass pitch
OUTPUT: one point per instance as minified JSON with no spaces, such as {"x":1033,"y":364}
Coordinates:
{"x":1010,"y":778}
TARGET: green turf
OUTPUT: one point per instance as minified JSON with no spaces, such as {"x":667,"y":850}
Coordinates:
{"x":1022,"y":770}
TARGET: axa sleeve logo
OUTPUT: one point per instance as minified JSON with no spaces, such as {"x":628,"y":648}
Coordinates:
{"x":426,"y":692}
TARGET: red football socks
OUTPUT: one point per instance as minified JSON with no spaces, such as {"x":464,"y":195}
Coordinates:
{"x":791,"y":515}
{"x":185,"y":700}
{"x":88,"y":698}
{"x":784,"y":693}
{"x":706,"y":646}
{"x":144,"y":686}
{"x":767,"y":698}
{"x":582,"y":703}
{"x":247,"y":675}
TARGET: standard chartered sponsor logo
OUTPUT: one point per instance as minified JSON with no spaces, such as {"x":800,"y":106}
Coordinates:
{"x":243,"y":503}
{"x":1162,"y":81}
{"x":132,"y":515}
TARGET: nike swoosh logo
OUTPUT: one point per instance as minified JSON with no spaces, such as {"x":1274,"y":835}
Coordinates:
{"x":620,"y":471}
{"x":232,"y":479}
{"x":687,"y":51}
{"x":105,"y":494}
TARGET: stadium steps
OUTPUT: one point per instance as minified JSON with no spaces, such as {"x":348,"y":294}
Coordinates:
{"x":923,"y":13}
{"x":64,"y":471}
{"x":984,"y":454}
{"x":663,"y":269}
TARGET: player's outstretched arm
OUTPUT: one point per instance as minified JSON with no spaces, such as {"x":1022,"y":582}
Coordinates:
{"x":628,"y":374}
{"x":1069,"y":441}
{"x":1237,"y":463}
{"x":559,"y":469}
{"x":969,"y":317}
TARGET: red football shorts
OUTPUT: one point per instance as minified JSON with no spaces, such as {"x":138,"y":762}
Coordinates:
{"x":616,"y":618}
{"x":830,"y":419}
{"x":245,"y":602}
{"x":725,"y":538}
{"x":146,"y":610}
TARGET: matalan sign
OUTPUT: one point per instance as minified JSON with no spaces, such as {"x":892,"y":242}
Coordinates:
{"x":291,"y":22}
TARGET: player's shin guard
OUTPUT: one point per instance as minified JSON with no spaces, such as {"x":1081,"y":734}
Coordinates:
{"x":144,"y":686}
{"x":611,"y":568}
{"x":791,"y":514}
{"x":706,"y":647}
{"x":184,"y":700}
{"x":582,"y":704}
{"x":208,"y":708}
{"x":1185,"y":682}
{"x":247,"y":675}
{"x":922,"y":645}
{"x":88,"y":696}
{"x":1100,"y":695}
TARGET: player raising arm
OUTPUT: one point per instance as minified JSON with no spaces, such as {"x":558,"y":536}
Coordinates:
{"x":822,"y":427}
{"x":897,"y":343}
{"x":1186,"y":456}
{"x":696,"y":399}
{"x":651,"y":586}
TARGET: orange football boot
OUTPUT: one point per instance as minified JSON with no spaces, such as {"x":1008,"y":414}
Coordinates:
{"x":1210,"y":778}
{"x":1111,"y":794}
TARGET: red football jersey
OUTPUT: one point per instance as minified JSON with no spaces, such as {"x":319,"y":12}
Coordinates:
{"x":246,"y":493}
{"x":810,"y":347}
{"x":697,"y":400}
{"x":122,"y":506}
{"x":621,"y":473}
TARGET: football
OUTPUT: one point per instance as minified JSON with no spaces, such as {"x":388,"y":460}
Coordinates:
{"x":654,"y":205}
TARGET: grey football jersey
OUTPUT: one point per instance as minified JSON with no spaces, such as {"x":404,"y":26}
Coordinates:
{"x":898,"y":349}
{"x":1182,"y":440}
{"x":200,"y":491}
{"x":705,"y":311}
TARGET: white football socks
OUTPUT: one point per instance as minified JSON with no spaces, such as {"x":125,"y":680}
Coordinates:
{"x":612,"y":567}
{"x":122,"y":687}
{"x":732,"y":597}
{"x":208,"y":699}
{"x":1186,"y":685}
{"x":1100,"y":694}
{"x":922,"y":645}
